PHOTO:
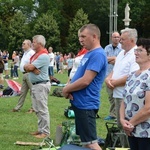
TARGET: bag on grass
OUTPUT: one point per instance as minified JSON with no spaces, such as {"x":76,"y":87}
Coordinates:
{"x":57,"y":92}
{"x":69,"y":134}
{"x":8,"y":91}
{"x":112,"y":139}
{"x":69,"y":112}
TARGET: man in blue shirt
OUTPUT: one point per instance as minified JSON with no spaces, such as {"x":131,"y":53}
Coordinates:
{"x":85,"y":86}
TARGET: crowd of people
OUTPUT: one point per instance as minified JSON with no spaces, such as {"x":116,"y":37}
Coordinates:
{"x":9,"y":69}
{"x":123,"y":65}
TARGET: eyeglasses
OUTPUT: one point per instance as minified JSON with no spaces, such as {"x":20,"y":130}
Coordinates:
{"x":138,"y":50}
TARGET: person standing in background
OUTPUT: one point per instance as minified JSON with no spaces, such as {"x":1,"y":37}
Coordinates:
{"x":38,"y":75}
{"x":69,"y":62}
{"x":61,"y":63}
{"x":51,"y":66}
{"x":26,"y":84}
{"x":1,"y":73}
{"x":5,"y":59}
{"x":57,"y":57}
{"x":16,"y":65}
{"x":112,"y":50}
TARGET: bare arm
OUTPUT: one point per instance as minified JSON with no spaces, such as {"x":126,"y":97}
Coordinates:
{"x":108,"y":79}
{"x":31,"y":68}
{"x":111,"y":60}
{"x":119,"y":82}
{"x":81,"y":83}
{"x":51,"y":59}
{"x":127,"y":126}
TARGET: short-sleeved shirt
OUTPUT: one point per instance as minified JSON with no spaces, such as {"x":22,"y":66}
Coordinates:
{"x":41,"y":63}
{"x":134,"y":100}
{"x":124,"y":65}
{"x":89,"y":97}
{"x":110,"y":51}
{"x":26,"y":59}
{"x":52,"y":57}
{"x":76,"y":63}
{"x":70,"y":62}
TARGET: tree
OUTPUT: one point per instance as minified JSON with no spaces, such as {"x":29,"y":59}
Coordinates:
{"x":48,"y":27}
{"x":8,"y":9}
{"x":18,"y":31}
{"x":79,"y":20}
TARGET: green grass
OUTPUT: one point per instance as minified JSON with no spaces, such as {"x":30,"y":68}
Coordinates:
{"x":16,"y":126}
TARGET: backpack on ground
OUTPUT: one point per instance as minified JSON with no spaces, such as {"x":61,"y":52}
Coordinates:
{"x":57,"y":92}
{"x":8,"y":91}
{"x":69,"y":112}
{"x":69,"y":134}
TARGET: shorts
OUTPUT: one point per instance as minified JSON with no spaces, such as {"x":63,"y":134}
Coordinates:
{"x":51,"y":71}
{"x":85,"y":121}
{"x":5,"y":66}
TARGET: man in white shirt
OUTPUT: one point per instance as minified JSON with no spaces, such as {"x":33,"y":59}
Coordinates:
{"x":125,"y":64}
{"x":26,"y":84}
{"x":51,"y":66}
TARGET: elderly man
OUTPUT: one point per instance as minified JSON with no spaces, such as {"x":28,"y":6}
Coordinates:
{"x":26,"y":84}
{"x":38,"y":75}
{"x":125,"y":64}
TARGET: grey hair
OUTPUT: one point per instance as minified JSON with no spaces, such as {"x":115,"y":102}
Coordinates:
{"x":28,"y":41}
{"x":40,"y":39}
{"x":50,"y":48}
{"x":132,"y":33}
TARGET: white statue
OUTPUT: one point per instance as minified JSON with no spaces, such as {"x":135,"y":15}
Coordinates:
{"x":127,"y":9}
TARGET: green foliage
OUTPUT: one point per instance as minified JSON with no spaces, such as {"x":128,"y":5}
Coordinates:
{"x":79,"y":20}
{"x":17,"y":31}
{"x":63,"y":12}
{"x":48,"y":27}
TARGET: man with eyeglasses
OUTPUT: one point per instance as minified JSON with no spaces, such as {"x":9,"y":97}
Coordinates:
{"x":26,"y":84}
{"x":112,"y":50}
{"x":125,"y":64}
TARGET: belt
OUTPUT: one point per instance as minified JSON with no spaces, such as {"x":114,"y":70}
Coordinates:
{"x":38,"y":82}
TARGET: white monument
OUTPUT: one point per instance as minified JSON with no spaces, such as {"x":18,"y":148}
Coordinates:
{"x":127,"y":15}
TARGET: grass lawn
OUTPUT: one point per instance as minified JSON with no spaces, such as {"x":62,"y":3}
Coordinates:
{"x":16,"y":126}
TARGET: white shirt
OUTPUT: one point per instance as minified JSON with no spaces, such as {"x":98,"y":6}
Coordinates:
{"x":51,"y":56}
{"x":75,"y":65}
{"x":124,"y":65}
{"x":26,"y":59}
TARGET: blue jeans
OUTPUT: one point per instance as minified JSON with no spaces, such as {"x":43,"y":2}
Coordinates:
{"x":15,"y":71}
